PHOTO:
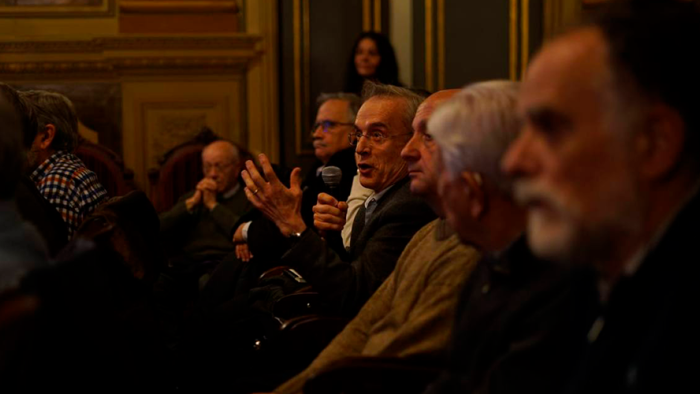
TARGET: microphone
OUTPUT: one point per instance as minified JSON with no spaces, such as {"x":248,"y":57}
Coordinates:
{"x":331,"y":177}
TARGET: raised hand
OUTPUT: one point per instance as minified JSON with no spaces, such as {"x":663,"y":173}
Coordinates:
{"x":278,"y":203}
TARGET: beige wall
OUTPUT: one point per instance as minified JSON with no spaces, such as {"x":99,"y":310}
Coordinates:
{"x":171,"y":84}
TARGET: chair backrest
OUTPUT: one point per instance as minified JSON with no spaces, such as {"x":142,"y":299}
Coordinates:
{"x":181,"y":169}
{"x":108,"y":167}
{"x":128,"y":225}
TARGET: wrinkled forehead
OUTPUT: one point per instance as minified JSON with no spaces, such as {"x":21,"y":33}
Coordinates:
{"x":218,"y":153}
{"x":335,"y":110}
{"x":571,"y":70}
{"x":381,"y":111}
{"x":428,"y":107}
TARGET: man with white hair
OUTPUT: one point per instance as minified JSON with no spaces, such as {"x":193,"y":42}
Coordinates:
{"x":200,"y":224}
{"x":391,"y":215}
{"x":608,"y":166}
{"x":412,"y":312}
{"x":516,"y":325}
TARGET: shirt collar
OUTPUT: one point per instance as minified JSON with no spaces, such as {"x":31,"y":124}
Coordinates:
{"x":376,"y":196}
{"x":40,"y":172}
{"x":633,"y":264}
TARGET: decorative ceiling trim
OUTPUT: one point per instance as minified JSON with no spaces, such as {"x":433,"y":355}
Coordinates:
{"x":177,"y":7}
{"x":105,"y":10}
{"x":101,"y":44}
{"x":122,"y":66}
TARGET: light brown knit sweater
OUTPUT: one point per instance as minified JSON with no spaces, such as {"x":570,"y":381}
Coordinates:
{"x":413,"y":311}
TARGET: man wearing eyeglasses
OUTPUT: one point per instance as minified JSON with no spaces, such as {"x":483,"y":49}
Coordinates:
{"x":334,"y":120}
{"x":383,"y":226}
{"x":201,"y":222}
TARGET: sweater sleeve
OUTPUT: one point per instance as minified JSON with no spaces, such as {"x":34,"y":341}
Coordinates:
{"x":348,"y":285}
{"x":225,"y":218}
{"x":176,"y":217}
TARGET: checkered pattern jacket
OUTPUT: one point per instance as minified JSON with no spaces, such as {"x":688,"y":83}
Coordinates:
{"x":70,"y":187}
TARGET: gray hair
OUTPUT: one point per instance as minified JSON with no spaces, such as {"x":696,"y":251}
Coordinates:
{"x":475,"y":127}
{"x":353,"y":100}
{"x":372,"y":89}
{"x":56,"y":109}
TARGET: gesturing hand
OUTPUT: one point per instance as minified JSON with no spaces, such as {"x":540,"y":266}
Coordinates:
{"x":329,"y":214}
{"x":278,"y":203}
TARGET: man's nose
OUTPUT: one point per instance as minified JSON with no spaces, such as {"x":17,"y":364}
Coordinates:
{"x":411,"y":151}
{"x":519,"y":159}
{"x":317,"y":132}
{"x":363,"y":146}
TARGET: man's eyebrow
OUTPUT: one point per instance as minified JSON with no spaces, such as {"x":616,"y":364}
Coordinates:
{"x":378,"y":125}
{"x":547,"y":115}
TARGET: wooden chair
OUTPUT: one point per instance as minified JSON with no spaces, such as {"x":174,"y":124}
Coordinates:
{"x":108,"y":167}
{"x":301,"y":325}
{"x":129,"y":226}
{"x":181,"y":169}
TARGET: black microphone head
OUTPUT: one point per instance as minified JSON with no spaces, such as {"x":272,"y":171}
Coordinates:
{"x":331,"y":176}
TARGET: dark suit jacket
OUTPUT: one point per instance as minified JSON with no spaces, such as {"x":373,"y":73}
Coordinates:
{"x":650,"y":338}
{"x":264,"y":239}
{"x":347,"y":280}
{"x":520,"y":326}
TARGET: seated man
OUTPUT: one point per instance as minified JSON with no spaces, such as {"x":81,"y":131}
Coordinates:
{"x":21,"y":246}
{"x":518,"y":325}
{"x":608,"y":166}
{"x":335,"y":117}
{"x":200,"y":225}
{"x":412,"y":312}
{"x":382,"y":227}
{"x":60,"y":176}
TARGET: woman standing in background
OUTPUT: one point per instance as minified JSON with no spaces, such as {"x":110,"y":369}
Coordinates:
{"x":372,"y":58}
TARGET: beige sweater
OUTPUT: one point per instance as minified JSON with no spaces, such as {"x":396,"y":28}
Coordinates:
{"x":413,"y":311}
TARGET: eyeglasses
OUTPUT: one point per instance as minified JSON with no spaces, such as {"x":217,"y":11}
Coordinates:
{"x":374,"y":137}
{"x":327,"y":125}
{"x":218,"y":167}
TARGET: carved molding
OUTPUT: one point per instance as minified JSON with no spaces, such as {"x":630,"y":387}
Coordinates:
{"x":174,"y":7}
{"x":96,"y":45}
{"x":126,"y":66}
{"x":105,"y":10}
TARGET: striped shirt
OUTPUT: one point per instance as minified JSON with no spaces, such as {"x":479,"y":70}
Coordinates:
{"x":70,"y":187}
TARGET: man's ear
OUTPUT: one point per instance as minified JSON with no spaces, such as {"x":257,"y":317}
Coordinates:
{"x":473,"y":182}
{"x":47,"y":136}
{"x":661,"y":144}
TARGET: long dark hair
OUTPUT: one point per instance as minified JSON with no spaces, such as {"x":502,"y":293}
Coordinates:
{"x":387,"y":72}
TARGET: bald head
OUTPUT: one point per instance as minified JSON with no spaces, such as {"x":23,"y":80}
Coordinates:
{"x":427,"y":107}
{"x":221,"y":163}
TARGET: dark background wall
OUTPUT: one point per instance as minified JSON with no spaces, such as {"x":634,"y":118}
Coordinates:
{"x":476,"y":47}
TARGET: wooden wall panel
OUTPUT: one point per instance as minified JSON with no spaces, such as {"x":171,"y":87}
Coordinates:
{"x":166,"y":113}
{"x":167,"y":86}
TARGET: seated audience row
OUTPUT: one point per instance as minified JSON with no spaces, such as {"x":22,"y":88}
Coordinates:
{"x":523,"y":237}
